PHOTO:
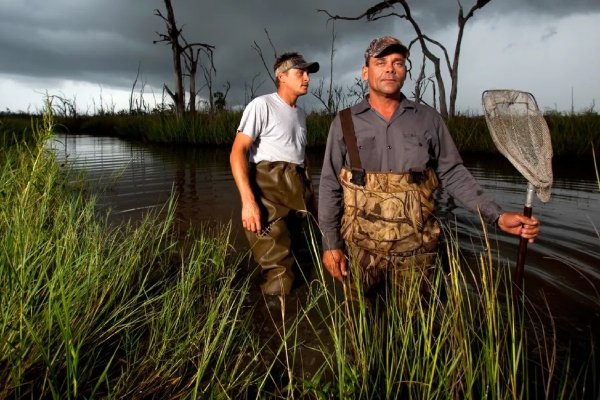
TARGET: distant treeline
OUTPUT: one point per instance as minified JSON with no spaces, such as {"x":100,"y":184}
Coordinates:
{"x":572,"y":133}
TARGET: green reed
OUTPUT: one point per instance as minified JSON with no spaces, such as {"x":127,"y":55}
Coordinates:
{"x":465,"y":340}
{"x":15,"y":130}
{"x":90,"y":310}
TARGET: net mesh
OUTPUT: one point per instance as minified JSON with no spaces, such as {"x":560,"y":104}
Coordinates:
{"x":521,"y":134}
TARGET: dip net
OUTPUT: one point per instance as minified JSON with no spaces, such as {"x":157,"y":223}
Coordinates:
{"x":521,"y":134}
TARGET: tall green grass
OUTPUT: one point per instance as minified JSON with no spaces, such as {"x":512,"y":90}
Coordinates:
{"x":93,"y":311}
{"x":466,"y":340}
{"x":16,"y":130}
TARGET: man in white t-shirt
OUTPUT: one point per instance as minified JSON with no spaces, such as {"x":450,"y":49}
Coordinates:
{"x":275,"y":188}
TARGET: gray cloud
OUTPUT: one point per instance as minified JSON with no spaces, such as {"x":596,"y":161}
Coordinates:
{"x":549,"y":33}
{"x":102,"y":41}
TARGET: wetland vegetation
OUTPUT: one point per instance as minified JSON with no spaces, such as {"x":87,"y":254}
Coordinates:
{"x":94,"y":310}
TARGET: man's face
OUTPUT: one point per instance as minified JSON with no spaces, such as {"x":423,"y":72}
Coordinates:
{"x":385,"y":74}
{"x":295,"y":80}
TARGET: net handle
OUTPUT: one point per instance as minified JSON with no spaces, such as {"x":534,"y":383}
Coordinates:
{"x":527,"y":209}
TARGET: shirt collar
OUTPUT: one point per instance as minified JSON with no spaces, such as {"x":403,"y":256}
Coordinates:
{"x":405,"y":104}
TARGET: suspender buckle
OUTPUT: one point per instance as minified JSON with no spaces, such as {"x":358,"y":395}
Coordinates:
{"x":358,"y":177}
{"x":416,"y":175}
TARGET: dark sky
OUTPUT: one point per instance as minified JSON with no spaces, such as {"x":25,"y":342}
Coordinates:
{"x":76,"y":47}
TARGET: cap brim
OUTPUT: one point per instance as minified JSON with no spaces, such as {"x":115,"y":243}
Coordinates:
{"x":403,"y":49}
{"x":311,"y":67}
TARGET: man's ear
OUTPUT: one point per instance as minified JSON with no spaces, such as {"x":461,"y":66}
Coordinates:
{"x":365,"y":73}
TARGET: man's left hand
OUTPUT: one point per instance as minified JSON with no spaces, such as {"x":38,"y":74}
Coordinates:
{"x":519,"y":224}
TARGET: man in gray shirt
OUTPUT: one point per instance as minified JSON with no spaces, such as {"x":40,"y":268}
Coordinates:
{"x":275,"y":186}
{"x":384,"y":165}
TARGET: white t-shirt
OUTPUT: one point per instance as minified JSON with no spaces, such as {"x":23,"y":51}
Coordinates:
{"x":278,"y":130}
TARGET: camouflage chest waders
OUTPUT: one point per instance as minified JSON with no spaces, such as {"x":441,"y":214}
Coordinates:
{"x":282,"y":191}
{"x":388,"y":224}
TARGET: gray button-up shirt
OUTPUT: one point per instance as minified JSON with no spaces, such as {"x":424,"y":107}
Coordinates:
{"x":414,"y":137}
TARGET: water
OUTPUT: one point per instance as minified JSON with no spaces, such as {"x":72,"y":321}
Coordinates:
{"x":562,"y":273}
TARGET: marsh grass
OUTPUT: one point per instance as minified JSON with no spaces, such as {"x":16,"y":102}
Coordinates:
{"x":466,"y":340}
{"x":93,"y":311}
{"x":571,"y":133}
{"x":16,"y":130}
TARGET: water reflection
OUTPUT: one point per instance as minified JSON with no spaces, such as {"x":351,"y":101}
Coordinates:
{"x":562,"y":266}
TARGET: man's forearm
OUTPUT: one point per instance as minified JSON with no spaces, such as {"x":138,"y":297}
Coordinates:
{"x":240,"y":171}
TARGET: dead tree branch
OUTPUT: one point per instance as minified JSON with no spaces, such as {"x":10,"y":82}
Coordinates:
{"x":257,"y":48}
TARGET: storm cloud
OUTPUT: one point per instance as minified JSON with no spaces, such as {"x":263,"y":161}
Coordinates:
{"x":102,"y":42}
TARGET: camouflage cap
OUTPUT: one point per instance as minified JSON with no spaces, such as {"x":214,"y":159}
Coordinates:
{"x":381,"y":44}
{"x":298,"y":62}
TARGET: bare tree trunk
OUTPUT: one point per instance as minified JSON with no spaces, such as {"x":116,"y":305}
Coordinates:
{"x":191,"y":64}
{"x":432,"y":57}
{"x":193,"y":91}
{"x":462,"y":21}
{"x":208,"y":73}
{"x":334,"y":94}
{"x":419,"y":83}
{"x":172,"y":37}
{"x":330,"y":98}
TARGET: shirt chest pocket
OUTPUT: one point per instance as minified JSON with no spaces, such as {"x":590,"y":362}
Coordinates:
{"x":416,"y":149}
{"x":367,"y":150}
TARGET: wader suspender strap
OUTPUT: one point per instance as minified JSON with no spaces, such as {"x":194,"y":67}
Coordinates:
{"x":358,"y":173}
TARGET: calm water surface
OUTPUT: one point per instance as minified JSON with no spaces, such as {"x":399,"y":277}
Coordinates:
{"x":562,"y":266}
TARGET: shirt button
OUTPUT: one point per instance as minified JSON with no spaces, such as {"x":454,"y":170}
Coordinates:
{"x":390,"y":147}
{"x":360,"y":147}
{"x":391,"y":170}
{"x":420,"y":144}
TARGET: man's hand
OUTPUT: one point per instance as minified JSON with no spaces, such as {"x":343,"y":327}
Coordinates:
{"x":335,"y":262}
{"x":519,"y":224}
{"x":251,"y":217}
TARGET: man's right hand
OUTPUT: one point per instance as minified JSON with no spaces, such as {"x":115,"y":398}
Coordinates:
{"x":251,"y":217}
{"x":335,"y":262}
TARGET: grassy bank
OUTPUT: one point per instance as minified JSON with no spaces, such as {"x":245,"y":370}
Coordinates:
{"x":572,"y":134}
{"x":89,"y":310}
{"x":93,"y":311}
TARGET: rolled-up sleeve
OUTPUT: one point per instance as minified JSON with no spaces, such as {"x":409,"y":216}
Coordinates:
{"x":330,"y":191}
{"x":457,"y":180}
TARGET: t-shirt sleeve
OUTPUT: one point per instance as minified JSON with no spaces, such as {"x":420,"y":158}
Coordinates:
{"x":253,"y":118}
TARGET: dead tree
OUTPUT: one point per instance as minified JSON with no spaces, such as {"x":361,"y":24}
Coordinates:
{"x":137,"y":106}
{"x":257,"y":48}
{"x":63,"y":107}
{"x":334,"y":93}
{"x":221,"y":98}
{"x":192,"y":57}
{"x":251,"y":89}
{"x":373,"y":14}
{"x":191,"y":65}
{"x":421,"y":85}
{"x":207,"y":71}
{"x":358,"y":90}
{"x":172,"y":37}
